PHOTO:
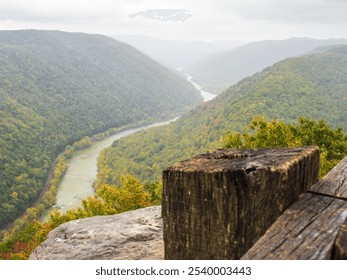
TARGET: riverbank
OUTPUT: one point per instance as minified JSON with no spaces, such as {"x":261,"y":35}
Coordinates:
{"x":77,"y":182}
{"x":46,"y":198}
{"x":205,"y":94}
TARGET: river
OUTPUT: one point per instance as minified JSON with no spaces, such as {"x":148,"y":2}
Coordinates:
{"x":77,"y":183}
{"x":205,"y":94}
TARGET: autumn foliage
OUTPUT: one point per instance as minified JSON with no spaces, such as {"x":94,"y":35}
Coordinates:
{"x":107,"y":200}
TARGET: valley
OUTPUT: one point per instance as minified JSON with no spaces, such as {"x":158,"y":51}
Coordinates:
{"x":57,"y":87}
{"x":100,"y":104}
{"x":77,"y":182}
{"x":312,"y":85}
{"x":172,"y":130}
{"x":216,"y":72}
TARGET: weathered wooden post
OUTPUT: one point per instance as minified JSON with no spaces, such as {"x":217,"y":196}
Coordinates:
{"x":217,"y":205}
{"x":340,"y":244}
{"x":312,"y":228}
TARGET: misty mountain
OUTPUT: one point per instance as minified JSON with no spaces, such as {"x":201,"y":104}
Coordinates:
{"x":219,"y":71}
{"x":175,"y":54}
{"x":312,"y":85}
{"x":57,"y":87}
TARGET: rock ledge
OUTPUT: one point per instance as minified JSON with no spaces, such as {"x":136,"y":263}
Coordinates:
{"x":131,"y":235}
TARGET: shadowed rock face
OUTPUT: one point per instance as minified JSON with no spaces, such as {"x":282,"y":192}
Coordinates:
{"x":131,"y":235}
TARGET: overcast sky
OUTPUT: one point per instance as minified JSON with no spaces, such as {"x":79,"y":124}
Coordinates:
{"x":242,"y":20}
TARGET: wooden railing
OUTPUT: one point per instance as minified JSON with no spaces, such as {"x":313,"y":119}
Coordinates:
{"x":255,"y":204}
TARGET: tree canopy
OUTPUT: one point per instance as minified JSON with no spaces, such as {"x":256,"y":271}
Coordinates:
{"x":261,"y":133}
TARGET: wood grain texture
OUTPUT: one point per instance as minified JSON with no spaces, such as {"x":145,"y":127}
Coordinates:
{"x":306,"y":230}
{"x":340,"y":246}
{"x":217,"y":205}
{"x":335,"y":182}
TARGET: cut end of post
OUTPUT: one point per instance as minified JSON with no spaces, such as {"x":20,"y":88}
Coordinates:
{"x":217,"y":205}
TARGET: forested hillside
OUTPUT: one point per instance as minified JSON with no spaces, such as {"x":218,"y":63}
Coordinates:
{"x":313,"y":85}
{"x":57,"y":87}
{"x":219,"y":71}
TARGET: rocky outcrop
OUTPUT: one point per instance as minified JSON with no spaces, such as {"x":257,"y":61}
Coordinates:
{"x":132,"y":235}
